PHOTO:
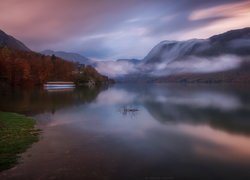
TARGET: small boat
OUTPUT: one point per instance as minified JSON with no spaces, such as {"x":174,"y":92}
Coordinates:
{"x":59,"y":85}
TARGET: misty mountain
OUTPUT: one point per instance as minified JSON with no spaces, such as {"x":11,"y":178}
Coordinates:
{"x":69,"y":56}
{"x":220,"y":58}
{"x":10,"y":42}
{"x":235,"y":42}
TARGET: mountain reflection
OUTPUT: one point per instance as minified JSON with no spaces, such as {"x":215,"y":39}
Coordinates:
{"x":225,"y":108}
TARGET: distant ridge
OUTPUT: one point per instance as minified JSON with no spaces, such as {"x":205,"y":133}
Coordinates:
{"x":69,"y":56}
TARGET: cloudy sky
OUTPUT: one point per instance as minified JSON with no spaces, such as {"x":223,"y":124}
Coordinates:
{"x":113,"y":29}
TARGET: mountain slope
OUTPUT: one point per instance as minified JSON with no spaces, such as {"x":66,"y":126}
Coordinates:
{"x":10,"y":42}
{"x":220,"y":58}
{"x":20,"y":66}
{"x":235,"y":42}
{"x":69,"y":56}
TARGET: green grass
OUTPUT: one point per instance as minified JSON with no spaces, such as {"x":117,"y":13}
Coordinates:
{"x":17,"y":133}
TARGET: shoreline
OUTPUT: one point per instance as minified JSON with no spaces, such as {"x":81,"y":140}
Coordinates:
{"x":18,"y":132}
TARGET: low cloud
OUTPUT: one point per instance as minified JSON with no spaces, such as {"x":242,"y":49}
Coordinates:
{"x":198,"y":65}
{"x":192,"y":64}
{"x":115,"y":68}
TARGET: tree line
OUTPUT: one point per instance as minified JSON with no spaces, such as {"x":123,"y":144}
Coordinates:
{"x":19,"y":68}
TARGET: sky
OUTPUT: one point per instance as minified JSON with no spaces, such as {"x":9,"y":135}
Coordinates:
{"x":117,"y":29}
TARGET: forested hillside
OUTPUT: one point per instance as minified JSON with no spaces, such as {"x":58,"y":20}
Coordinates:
{"x":19,"y":68}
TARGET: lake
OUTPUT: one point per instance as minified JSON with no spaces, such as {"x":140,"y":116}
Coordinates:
{"x":131,"y":131}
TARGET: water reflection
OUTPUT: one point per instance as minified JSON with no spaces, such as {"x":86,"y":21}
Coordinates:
{"x":36,"y":100}
{"x":217,"y":106}
{"x":226,"y":147}
{"x":137,"y":132}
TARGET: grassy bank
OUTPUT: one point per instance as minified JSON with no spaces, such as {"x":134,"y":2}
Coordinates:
{"x":17,"y":133}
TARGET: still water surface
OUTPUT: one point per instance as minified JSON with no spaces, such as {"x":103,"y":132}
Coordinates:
{"x":176,"y":132}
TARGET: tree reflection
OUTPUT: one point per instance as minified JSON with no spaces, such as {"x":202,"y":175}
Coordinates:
{"x":37,"y":100}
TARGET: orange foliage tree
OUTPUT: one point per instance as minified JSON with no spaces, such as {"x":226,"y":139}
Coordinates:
{"x":20,"y":67}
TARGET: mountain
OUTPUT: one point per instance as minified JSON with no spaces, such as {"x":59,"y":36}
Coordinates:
{"x":19,"y":66}
{"x":235,"y":42}
{"x":220,"y":58}
{"x":10,"y":42}
{"x":69,"y":56}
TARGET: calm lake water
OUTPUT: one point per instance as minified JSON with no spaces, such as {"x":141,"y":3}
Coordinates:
{"x":176,"y":132}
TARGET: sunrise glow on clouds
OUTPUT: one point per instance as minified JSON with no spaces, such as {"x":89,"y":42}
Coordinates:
{"x":111,"y":29}
{"x":235,"y":15}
